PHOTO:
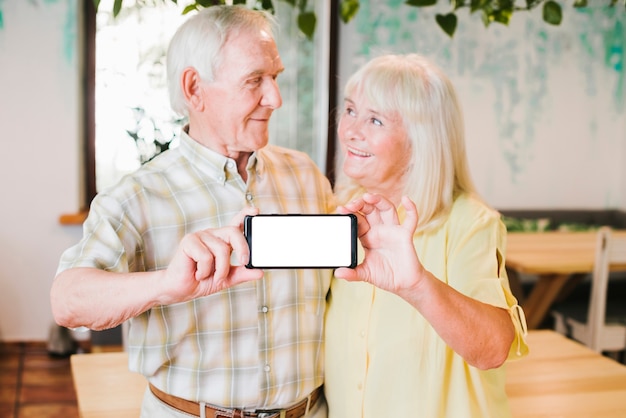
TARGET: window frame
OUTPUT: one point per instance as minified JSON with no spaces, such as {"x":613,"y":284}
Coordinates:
{"x":88,"y":75}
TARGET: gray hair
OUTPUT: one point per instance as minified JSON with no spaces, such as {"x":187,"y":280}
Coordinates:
{"x":198,"y":43}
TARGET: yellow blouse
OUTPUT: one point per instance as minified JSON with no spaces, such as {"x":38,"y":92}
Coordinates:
{"x":383,"y":359}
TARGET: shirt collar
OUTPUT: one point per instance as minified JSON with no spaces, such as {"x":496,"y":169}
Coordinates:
{"x":210,"y":162}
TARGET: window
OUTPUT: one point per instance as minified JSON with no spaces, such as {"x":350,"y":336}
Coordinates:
{"x":133,"y":119}
{"x":126,"y":104}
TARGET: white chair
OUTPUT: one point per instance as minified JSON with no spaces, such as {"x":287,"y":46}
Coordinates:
{"x":601,"y":323}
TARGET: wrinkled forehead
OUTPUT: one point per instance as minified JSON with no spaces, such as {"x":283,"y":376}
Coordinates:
{"x":251,"y":51}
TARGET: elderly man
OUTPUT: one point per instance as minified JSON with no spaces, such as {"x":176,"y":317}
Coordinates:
{"x":163,"y":249}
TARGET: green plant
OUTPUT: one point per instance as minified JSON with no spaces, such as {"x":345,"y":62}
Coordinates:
{"x":306,"y":18}
{"x":151,"y":135}
{"x":543,"y":225}
{"x":499,"y":11}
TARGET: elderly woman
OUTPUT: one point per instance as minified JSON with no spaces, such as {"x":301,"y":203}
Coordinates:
{"x":422,"y":327}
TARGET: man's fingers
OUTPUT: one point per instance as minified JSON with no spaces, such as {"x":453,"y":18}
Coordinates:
{"x":241,"y":274}
{"x":236,"y":242}
{"x":210,"y":252}
{"x":238,"y":218}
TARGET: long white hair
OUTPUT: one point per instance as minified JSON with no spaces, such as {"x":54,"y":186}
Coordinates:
{"x":422,"y":95}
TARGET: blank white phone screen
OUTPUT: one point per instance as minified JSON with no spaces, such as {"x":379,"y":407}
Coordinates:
{"x":307,"y":241}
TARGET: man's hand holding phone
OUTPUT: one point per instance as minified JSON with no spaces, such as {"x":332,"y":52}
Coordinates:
{"x":202,"y":263}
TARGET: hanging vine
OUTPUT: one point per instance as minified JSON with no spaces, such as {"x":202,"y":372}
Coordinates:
{"x":490,"y":11}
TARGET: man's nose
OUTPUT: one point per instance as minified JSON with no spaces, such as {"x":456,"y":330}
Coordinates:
{"x":271,"y":95}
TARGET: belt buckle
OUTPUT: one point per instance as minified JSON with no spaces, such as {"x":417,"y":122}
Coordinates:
{"x":233,"y":413}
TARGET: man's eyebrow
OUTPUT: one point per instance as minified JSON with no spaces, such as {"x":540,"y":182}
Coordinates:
{"x":256,"y":73}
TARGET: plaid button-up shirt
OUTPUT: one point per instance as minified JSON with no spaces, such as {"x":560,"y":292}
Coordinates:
{"x":256,"y":345}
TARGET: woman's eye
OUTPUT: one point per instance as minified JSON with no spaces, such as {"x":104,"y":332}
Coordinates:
{"x":350,"y":111}
{"x":377,"y":122}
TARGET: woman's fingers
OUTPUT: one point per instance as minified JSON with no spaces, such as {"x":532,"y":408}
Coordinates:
{"x":362,"y":226}
{"x":379,"y":210}
{"x":346,"y":273}
{"x":411,"y":219}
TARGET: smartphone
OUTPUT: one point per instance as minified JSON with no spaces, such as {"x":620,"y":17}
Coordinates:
{"x":301,"y":240}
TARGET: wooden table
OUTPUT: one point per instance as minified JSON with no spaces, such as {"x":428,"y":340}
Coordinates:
{"x":105,"y":388}
{"x":554,"y":257}
{"x":559,"y":378}
{"x":562,"y":378}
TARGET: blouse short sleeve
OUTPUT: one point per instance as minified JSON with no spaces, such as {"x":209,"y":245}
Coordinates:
{"x":476,"y":242}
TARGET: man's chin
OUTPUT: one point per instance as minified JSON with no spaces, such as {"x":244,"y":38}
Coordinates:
{"x":260,"y":140}
{"x":256,"y":144}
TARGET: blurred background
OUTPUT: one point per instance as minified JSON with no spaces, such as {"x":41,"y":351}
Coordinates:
{"x":544,"y":108}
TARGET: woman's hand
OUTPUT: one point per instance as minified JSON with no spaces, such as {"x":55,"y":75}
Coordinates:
{"x":481,"y":333}
{"x":390,"y":262}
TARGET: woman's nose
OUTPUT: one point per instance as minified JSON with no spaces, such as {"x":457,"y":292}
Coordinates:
{"x":349,"y":128}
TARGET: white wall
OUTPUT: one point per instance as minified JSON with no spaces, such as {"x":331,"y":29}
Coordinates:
{"x":571,"y":145}
{"x":544,"y":105}
{"x":39,"y":168}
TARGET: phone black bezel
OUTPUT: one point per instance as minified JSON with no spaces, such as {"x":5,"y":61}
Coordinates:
{"x":247,"y":229}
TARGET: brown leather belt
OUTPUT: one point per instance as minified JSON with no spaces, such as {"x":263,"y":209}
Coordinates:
{"x":193,"y":408}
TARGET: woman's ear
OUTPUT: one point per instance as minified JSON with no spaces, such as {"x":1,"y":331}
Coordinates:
{"x":192,"y":90}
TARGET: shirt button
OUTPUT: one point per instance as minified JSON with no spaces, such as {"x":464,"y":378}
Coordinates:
{"x":265,"y":309}
{"x":267,"y":368}
{"x":248,"y":196}
{"x":230,"y":164}
{"x":362,"y":333}
{"x":221,"y":178}
{"x":359,"y":386}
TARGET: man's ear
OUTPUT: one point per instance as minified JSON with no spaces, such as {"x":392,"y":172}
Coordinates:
{"x":192,"y":91}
